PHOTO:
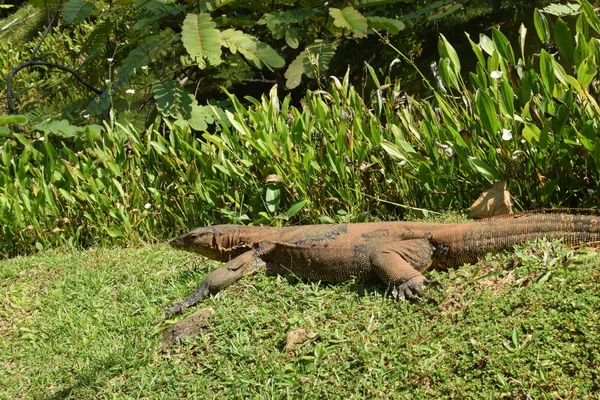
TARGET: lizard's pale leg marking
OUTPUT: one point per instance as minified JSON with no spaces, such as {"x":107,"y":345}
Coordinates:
{"x":220,"y":278}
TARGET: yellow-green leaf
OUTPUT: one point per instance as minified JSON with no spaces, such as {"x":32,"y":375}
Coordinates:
{"x":201,"y":39}
{"x":349,"y":18}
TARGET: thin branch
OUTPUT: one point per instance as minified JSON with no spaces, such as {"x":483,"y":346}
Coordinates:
{"x":32,"y":62}
{"x":11,"y":74}
{"x":33,"y":53}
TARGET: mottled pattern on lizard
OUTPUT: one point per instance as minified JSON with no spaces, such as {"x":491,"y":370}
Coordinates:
{"x":395,"y":253}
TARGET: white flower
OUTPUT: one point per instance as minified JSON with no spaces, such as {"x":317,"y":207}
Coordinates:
{"x":130,"y":91}
{"x":591,"y":191}
{"x":107,"y":81}
{"x":147,"y":206}
{"x":401,"y":163}
{"x":144,"y":67}
{"x":110,"y":59}
{"x":506,"y":134}
{"x":338,"y":85}
{"x":41,"y":139}
{"x":496,"y":74}
{"x":86,"y":115}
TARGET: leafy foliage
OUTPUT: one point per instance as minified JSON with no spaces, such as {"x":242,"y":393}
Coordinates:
{"x":77,"y":10}
{"x":201,"y":39}
{"x":338,"y":155}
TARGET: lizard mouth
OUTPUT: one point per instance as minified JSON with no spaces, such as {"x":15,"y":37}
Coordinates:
{"x":178,"y":242}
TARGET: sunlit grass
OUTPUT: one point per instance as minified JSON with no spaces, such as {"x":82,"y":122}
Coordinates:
{"x":87,"y":325}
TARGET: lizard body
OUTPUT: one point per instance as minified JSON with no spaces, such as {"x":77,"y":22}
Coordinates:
{"x":395,"y":253}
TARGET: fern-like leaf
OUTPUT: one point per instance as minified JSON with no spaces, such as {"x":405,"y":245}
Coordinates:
{"x":171,"y":99}
{"x":149,"y":48}
{"x":278,"y":22}
{"x":255,"y":51}
{"x":350,"y":19}
{"x":313,"y":61}
{"x":201,"y":39}
{"x":76,"y":11}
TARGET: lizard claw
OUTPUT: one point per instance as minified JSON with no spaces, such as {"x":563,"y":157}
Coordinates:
{"x":411,"y":289}
{"x":176,"y":308}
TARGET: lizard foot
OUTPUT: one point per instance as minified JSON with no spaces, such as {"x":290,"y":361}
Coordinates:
{"x":198,"y":294}
{"x":176,"y":308}
{"x":411,"y":289}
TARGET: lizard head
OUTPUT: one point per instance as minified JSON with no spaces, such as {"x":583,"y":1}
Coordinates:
{"x":219,"y":242}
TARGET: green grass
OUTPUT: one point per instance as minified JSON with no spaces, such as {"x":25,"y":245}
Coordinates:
{"x":88,"y":325}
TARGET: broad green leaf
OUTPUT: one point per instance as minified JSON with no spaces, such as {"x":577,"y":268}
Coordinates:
{"x":560,"y":73}
{"x":349,"y":18}
{"x":582,"y":49}
{"x":564,"y":39}
{"x":240,"y":127}
{"x":486,"y":44}
{"x":291,"y":37}
{"x":503,"y":46}
{"x":547,"y":72}
{"x":255,"y":51}
{"x":531,"y":133}
{"x":119,"y":188}
{"x":508,"y":97}
{"x":544,"y":137}
{"x":541,"y":26}
{"x":77,"y":10}
{"x":273,"y":198}
{"x":201,"y":39}
{"x":373,"y":75}
{"x":476,"y":50}
{"x":393,"y":26}
{"x":393,"y":150}
{"x":4,"y":131}
{"x":114,"y":232}
{"x":588,"y":136}
{"x":447,"y":51}
{"x":486,"y":111}
{"x":159,"y":147}
{"x":199,"y":117}
{"x":581,"y":26}
{"x":590,"y":15}
{"x":294,"y":209}
{"x":522,"y":35}
{"x":484,"y":169}
{"x":586,"y":71}
{"x":61,"y":128}
{"x":14,"y":119}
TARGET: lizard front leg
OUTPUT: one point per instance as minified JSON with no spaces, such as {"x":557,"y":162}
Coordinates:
{"x":399,"y":265}
{"x":242,"y":265}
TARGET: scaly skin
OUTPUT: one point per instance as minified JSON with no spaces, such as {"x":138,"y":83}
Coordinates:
{"x":395,"y":253}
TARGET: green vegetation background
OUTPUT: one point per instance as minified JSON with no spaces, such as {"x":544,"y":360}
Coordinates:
{"x":158,"y":148}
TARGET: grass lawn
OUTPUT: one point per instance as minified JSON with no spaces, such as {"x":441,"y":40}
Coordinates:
{"x":88,"y":325}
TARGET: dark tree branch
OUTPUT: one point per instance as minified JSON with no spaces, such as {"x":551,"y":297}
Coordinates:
{"x":11,"y":74}
{"x":32,"y":62}
{"x":50,"y":23}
